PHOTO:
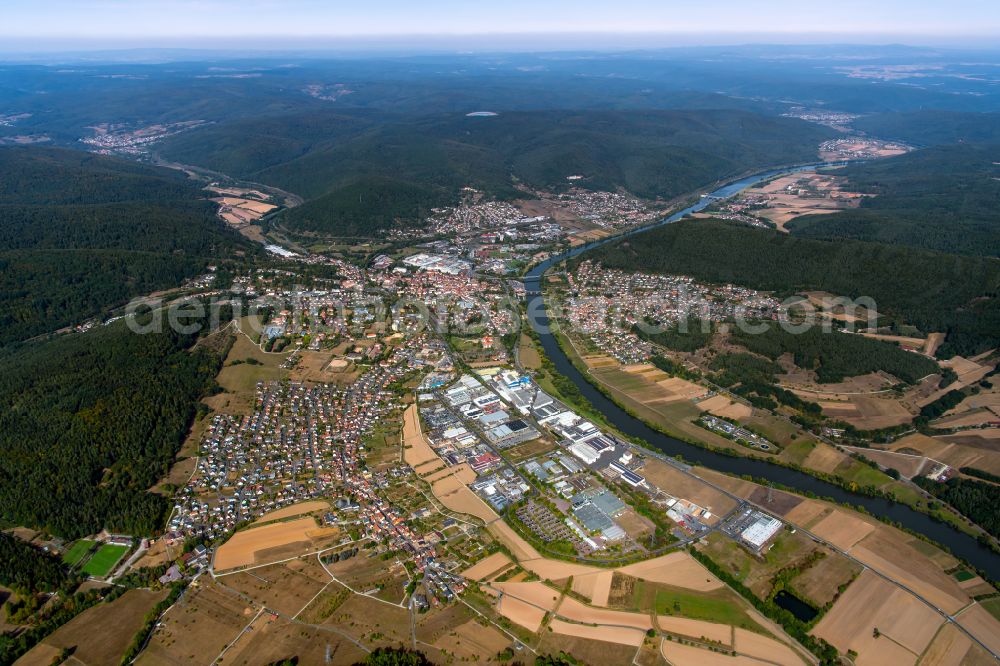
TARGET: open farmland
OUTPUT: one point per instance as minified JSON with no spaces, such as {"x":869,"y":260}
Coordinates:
{"x":905,"y":625}
{"x":273,"y":542}
{"x":287,"y":587}
{"x":604,"y":633}
{"x":294,"y":510}
{"x":473,"y":641}
{"x":586,"y":650}
{"x":202,"y":623}
{"x":273,"y":640}
{"x":416,"y":450}
{"x":487,"y":567}
{"x":101,"y":634}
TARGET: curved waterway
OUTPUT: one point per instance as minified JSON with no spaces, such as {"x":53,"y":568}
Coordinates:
{"x":961,"y":544}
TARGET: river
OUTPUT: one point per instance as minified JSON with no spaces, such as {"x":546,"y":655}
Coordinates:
{"x":961,"y":544}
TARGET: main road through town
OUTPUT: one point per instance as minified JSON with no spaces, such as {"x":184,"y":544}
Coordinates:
{"x":961,"y":544}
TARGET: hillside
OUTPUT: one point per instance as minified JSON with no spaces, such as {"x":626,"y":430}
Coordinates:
{"x":934,"y":291}
{"x":89,"y":422}
{"x":932,"y":127}
{"x":941,"y":198}
{"x":80,"y":233}
{"x":426,"y":161}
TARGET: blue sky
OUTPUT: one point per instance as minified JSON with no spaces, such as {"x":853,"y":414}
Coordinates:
{"x":164,"y":22}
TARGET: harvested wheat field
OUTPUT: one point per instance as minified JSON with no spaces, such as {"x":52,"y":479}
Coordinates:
{"x":870,"y":603}
{"x":696,"y":629}
{"x":889,"y":553}
{"x":461,"y":472}
{"x":416,"y":450}
{"x":535,"y":593}
{"x":621,"y":635}
{"x":764,"y":648}
{"x":689,"y":655}
{"x":807,"y":511}
{"x":487,"y":566}
{"x":948,"y":648}
{"x":842,"y":529}
{"x":521,"y":613}
{"x":600,"y":361}
{"x":978,"y":621}
{"x":595,"y":587}
{"x":571,"y":609}
{"x":683,"y":388}
{"x":557,"y":569}
{"x":720,"y":405}
{"x":878,"y":412}
{"x":823,"y":458}
{"x":294,"y":510}
{"x":456,"y":496}
{"x":677,"y":568}
{"x":293,"y":538}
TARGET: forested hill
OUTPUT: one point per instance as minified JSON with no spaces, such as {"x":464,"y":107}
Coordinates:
{"x":405,"y":165}
{"x":89,"y":422}
{"x":81,"y":233}
{"x":56,"y":176}
{"x":934,"y":291}
{"x":932,"y":127}
{"x":942,"y":198}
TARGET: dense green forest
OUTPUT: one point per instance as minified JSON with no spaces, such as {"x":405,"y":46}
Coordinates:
{"x":80,"y":233}
{"x":27,"y":570}
{"x":835,"y":355}
{"x":956,"y":294}
{"x":976,"y":499}
{"x":367,"y":205}
{"x":942,"y":198}
{"x":932,"y":127}
{"x":406,"y":165}
{"x":89,"y":422}
{"x":692,"y":336}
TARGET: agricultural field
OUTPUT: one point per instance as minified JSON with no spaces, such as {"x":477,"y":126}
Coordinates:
{"x":294,"y":510}
{"x":880,"y":622}
{"x":273,"y":640}
{"x":287,"y":587}
{"x":101,"y":634}
{"x":198,"y":627}
{"x":276,"y":541}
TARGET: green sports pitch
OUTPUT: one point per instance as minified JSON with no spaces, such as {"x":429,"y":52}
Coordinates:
{"x":104,"y":560}
{"x":79,"y":550}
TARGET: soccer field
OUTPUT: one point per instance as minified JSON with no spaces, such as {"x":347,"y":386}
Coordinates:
{"x":104,"y":560}
{"x":79,"y":550}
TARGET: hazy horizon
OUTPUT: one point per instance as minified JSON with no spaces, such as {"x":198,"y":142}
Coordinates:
{"x":64,"y":25}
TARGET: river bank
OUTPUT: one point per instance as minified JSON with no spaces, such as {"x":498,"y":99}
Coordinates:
{"x":961,"y":544}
